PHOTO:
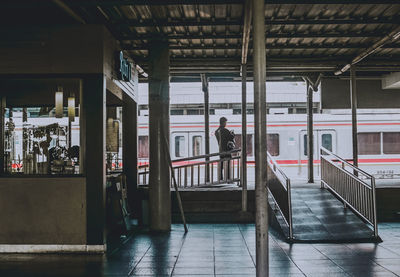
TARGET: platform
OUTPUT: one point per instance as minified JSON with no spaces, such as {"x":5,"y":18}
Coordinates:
{"x":217,"y":250}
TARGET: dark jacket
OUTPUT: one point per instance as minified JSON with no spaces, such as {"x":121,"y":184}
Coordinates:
{"x":223,"y":136}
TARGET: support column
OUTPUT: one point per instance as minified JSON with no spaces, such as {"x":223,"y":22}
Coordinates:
{"x":259,"y":69}
{"x":204,"y":81}
{"x":93,"y":140}
{"x":353,"y":100}
{"x":159,"y":183}
{"x":310,"y":133}
{"x":129,"y":150}
{"x":243,"y":173}
{"x":2,"y":133}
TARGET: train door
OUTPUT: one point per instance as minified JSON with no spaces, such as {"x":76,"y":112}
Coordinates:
{"x":186,"y":144}
{"x":324,"y":138}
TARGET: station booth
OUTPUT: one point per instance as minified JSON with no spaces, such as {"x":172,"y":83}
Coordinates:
{"x":68,"y":135}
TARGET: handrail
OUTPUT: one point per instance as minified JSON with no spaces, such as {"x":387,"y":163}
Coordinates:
{"x":226,"y":170}
{"x":323,"y":149}
{"x":206,"y":156}
{"x":350,"y":188}
{"x":277,"y":167}
{"x":280,"y":191}
{"x":199,"y":157}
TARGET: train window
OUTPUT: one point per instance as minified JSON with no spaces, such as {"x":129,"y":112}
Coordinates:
{"x":273,"y":144}
{"x":369,"y":143}
{"x":180,"y":146}
{"x":249,"y":144}
{"x":305,"y":145}
{"x":143,"y":146}
{"x":196,"y":145}
{"x":327,"y":141}
{"x":391,"y":143}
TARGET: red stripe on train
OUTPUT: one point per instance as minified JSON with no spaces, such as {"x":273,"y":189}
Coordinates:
{"x":291,"y":162}
{"x":287,"y":125}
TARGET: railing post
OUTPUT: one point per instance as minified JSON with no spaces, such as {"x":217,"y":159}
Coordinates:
{"x":322,"y":168}
{"x":212,"y":173}
{"x":373,"y":188}
{"x":185,"y":181}
{"x":226,"y":170}
{"x":289,"y":195}
{"x":198,"y":175}
{"x":344,"y":203}
{"x":191,"y":176}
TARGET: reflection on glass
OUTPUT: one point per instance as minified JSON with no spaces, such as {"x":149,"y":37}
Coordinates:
{"x":38,"y":143}
{"x":391,"y":143}
{"x":369,"y":143}
{"x":143,"y":146}
{"x":196,"y":145}
{"x":273,"y":144}
{"x":180,"y":146}
{"x":249,"y":144}
{"x":327,"y":141}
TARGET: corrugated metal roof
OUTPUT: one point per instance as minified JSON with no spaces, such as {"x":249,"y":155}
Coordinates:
{"x":301,"y":36}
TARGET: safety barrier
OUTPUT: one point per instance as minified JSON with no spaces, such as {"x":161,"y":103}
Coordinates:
{"x":279,"y":189}
{"x":353,"y":186}
{"x":203,"y":170}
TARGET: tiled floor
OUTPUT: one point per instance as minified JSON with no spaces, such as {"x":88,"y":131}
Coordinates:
{"x":218,"y":250}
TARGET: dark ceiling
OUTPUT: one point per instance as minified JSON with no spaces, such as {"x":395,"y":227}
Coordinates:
{"x":206,"y":36}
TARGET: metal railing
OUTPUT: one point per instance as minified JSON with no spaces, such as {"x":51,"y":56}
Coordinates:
{"x":203,"y":170}
{"x":353,"y":186}
{"x":279,"y":188}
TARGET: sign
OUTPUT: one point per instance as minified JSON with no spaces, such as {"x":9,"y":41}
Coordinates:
{"x":124,"y":68}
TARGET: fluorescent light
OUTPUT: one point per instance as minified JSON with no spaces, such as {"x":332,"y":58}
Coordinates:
{"x":71,"y":107}
{"x":59,"y":102}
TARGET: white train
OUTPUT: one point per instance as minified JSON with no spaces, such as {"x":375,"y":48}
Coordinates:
{"x":378,"y":136}
{"x":379,"y":139}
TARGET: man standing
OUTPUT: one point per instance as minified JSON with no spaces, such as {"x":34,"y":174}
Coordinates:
{"x":225,"y":140}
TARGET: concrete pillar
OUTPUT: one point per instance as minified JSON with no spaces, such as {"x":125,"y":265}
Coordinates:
{"x":2,"y":134}
{"x":353,"y":101}
{"x":259,"y":69}
{"x":159,"y":183}
{"x":93,"y":141}
{"x":204,"y":81}
{"x":129,"y":150}
{"x":243,"y":173}
{"x":310,"y":133}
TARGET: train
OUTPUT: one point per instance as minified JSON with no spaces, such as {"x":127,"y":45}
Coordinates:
{"x":378,"y":140}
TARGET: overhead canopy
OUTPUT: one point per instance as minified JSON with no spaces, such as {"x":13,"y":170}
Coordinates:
{"x":206,"y":36}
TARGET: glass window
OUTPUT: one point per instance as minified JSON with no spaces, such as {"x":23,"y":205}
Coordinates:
{"x":36,"y":142}
{"x":327,"y":141}
{"x":391,"y":143}
{"x":197,"y":140}
{"x":176,"y":112}
{"x":273,"y":144}
{"x":180,"y":148}
{"x":369,"y":143}
{"x":143,"y":146}
{"x":249,"y":143}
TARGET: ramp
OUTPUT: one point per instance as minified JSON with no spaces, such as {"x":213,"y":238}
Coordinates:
{"x":319,"y":216}
{"x":322,"y":214}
